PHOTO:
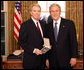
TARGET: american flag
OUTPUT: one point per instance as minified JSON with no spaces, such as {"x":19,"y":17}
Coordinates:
{"x":17,"y":19}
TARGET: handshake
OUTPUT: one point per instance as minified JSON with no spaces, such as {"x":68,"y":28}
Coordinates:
{"x":46,"y":47}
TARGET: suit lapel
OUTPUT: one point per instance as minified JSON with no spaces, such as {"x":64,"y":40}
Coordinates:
{"x":52,"y":31}
{"x":33,"y":25}
{"x":60,"y":29}
{"x":35,"y":28}
{"x":42,"y":26}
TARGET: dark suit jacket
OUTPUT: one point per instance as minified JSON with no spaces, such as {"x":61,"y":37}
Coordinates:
{"x":66,"y":45}
{"x":29,"y":38}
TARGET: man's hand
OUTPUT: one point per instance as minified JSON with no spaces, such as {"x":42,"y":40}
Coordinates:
{"x":50,"y":46}
{"x":47,"y":63}
{"x":37,"y":52}
{"x":73,"y":61}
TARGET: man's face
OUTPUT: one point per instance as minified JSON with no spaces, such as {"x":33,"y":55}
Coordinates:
{"x":35,"y":12}
{"x":55,"y":12}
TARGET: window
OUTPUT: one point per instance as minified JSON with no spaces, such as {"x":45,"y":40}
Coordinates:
{"x":45,"y":7}
{"x":3,"y":27}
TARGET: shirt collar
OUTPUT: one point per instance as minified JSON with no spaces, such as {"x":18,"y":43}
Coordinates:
{"x":58,"y":21}
{"x":35,"y":21}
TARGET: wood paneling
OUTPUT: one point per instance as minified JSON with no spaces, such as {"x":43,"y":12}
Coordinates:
{"x":74,"y":11}
{"x":25,"y":9}
{"x":18,"y":64}
{"x":12,"y":44}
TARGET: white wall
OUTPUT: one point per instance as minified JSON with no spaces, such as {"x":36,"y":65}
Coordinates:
{"x":45,"y":7}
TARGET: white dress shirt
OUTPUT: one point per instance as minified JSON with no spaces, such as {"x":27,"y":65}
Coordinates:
{"x":39,"y":28}
{"x":58,"y":24}
{"x":38,"y":25}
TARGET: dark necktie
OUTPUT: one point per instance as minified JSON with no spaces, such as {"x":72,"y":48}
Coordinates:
{"x":55,"y":32}
{"x":38,"y":28}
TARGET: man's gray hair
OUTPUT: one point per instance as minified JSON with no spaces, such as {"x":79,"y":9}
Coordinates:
{"x":54,"y":5}
{"x":32,"y":5}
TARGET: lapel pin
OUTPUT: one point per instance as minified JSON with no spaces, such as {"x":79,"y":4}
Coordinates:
{"x":63,"y":26}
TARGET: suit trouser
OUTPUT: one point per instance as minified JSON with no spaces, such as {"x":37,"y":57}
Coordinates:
{"x":54,"y":63}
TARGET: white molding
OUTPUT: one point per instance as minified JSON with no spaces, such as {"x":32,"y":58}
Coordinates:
{"x":6,"y":28}
{"x":5,"y":10}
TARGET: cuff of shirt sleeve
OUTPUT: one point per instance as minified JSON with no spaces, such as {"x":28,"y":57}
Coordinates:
{"x":34,"y":50}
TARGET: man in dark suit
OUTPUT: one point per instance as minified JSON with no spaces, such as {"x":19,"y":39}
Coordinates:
{"x":31,"y":40}
{"x":62,"y":35}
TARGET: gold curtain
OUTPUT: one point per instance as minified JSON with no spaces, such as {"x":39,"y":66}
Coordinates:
{"x":12,"y":44}
{"x":25,"y":9}
{"x":74,"y":11}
